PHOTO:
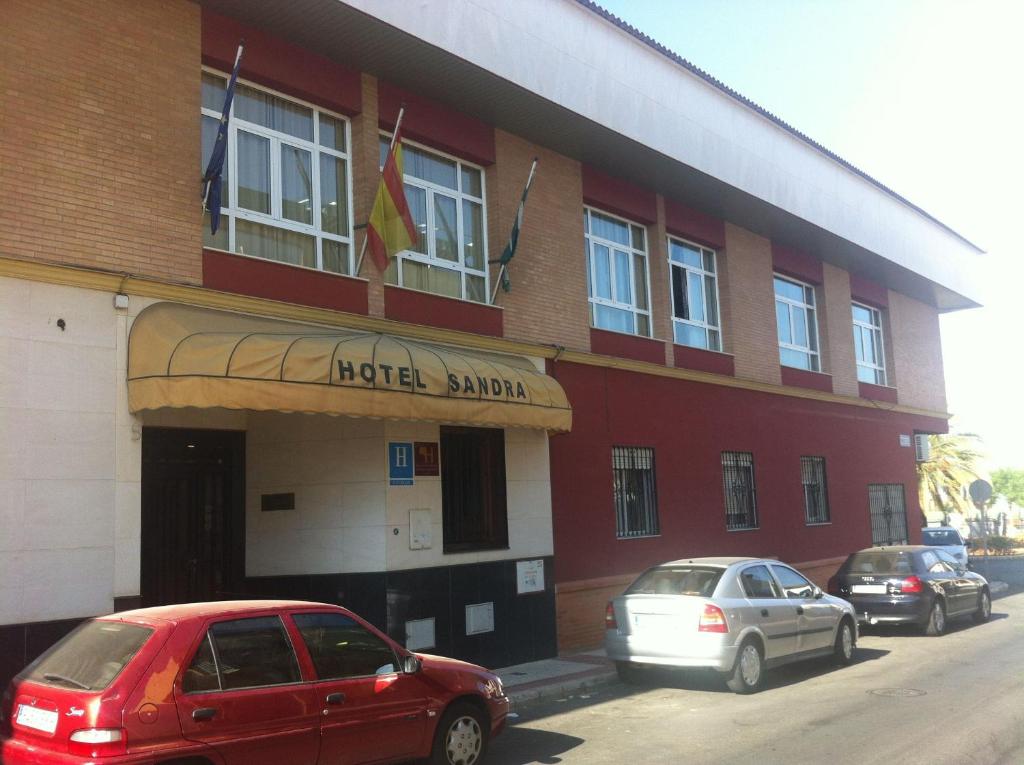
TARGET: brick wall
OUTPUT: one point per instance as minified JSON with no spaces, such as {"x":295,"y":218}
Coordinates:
{"x":548,"y":301}
{"x":580,"y":608}
{"x":99,"y":135}
{"x":916,"y":353}
{"x":748,"y":305}
{"x":838,"y":357}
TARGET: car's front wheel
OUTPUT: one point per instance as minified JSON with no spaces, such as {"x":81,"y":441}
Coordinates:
{"x":461,"y":737}
{"x":984,"y":612}
{"x":843,"y":649}
{"x":747,"y":674}
{"x":936,"y":624}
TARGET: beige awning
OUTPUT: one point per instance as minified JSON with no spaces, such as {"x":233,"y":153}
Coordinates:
{"x":184,"y":356}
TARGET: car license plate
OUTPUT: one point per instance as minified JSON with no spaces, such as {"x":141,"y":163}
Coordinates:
{"x":34,"y":717}
{"x":868,"y":589}
{"x":647,"y":621}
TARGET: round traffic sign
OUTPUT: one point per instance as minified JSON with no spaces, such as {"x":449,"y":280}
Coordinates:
{"x":980,"y":490}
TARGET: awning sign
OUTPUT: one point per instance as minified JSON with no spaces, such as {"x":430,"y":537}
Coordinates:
{"x":400,"y":463}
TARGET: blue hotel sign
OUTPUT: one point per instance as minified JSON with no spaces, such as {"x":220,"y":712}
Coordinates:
{"x":400,"y":463}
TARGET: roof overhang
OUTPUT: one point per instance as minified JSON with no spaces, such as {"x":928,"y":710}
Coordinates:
{"x":558,"y":74}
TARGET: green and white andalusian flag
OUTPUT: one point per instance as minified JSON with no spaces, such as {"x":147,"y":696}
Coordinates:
{"x":513,"y":239}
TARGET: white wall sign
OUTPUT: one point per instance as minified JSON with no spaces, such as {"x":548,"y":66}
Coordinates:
{"x":419,"y":634}
{"x":904,"y":440}
{"x":421,"y":532}
{"x":479,"y":618}
{"x":529,"y":576}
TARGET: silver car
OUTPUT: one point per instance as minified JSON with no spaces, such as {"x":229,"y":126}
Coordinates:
{"x":740,"y":616}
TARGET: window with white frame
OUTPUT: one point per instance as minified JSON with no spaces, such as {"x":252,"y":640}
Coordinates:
{"x":286,"y":192}
{"x":617,"y":277}
{"x":796,"y":318}
{"x":446,"y":200}
{"x":867,"y":342}
{"x":694,"y":295}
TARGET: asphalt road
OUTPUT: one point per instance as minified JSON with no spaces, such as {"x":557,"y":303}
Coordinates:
{"x":905,"y":699}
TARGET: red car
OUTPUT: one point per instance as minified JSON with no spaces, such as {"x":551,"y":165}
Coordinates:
{"x":245,"y":683}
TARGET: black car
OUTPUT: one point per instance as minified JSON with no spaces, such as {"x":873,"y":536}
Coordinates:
{"x":911,"y":584}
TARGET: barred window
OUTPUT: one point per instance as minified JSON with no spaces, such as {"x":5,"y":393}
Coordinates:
{"x":636,"y":499}
{"x":812,"y":475}
{"x":738,"y":481}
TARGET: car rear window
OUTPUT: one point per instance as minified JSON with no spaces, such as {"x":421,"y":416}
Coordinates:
{"x":677,"y":580}
{"x":91,"y":656}
{"x":880,"y":562}
{"x":940,"y":537}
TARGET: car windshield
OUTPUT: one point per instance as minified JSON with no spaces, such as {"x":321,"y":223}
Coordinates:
{"x":881,"y":562}
{"x":91,"y":656}
{"x":940,"y":537}
{"x":677,"y":580}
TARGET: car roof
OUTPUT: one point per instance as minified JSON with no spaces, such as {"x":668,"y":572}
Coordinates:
{"x":183,"y":611}
{"x":721,"y":562}
{"x":895,"y":548}
{"x":939,"y":528}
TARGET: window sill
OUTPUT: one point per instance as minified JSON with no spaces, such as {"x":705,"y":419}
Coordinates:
{"x":802,"y":378}
{"x":752,"y":528}
{"x":630,"y":539}
{"x":822,"y":523}
{"x":704,"y":360}
{"x":609,"y":342}
{"x":877,"y":392}
{"x":419,"y":307}
{"x":300,"y":285}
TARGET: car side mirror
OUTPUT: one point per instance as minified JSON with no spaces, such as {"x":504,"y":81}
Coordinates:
{"x":816,"y":593}
{"x":411,"y":665}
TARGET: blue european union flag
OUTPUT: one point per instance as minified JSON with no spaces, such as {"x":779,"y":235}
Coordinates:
{"x":214,"y":169}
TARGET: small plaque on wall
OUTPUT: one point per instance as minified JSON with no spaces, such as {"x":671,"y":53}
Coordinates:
{"x":479,"y":618}
{"x":400,"y":463}
{"x":272,"y":503}
{"x":421,"y":532}
{"x":529,"y":576}
{"x":420,"y":634}
{"x":427,"y":462}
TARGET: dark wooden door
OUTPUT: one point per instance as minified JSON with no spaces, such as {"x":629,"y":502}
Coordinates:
{"x":193,"y":515}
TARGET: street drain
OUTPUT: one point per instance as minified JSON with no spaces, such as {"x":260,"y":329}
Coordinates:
{"x":898,"y":693}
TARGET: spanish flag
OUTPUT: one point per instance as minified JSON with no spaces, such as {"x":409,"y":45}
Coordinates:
{"x":390,"y":228}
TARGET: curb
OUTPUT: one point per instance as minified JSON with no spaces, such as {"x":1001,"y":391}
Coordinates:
{"x":995,"y":588}
{"x":520,"y":701}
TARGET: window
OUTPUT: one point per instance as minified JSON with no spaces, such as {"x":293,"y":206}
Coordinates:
{"x":473,"y":496}
{"x":617,"y":273}
{"x":446,"y":200}
{"x":797,"y":324}
{"x":340,"y":647}
{"x":758,"y":583}
{"x":738,"y":481}
{"x":888,"y":514}
{"x":694,"y":295}
{"x":677,"y":580}
{"x":636,"y":498}
{"x":91,"y":656}
{"x":244,"y":653}
{"x":867,"y":342}
{"x":793,"y":584}
{"x":285,"y":187}
{"x":812,"y":476}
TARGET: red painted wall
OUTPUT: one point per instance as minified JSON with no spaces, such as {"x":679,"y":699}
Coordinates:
{"x":802,"y":378}
{"x":417,"y":307}
{"x":618,"y":196}
{"x":689,"y":424}
{"x":797,"y":264}
{"x":278,"y":281}
{"x":877,"y":392}
{"x":694,"y":225}
{"x":864,"y":290}
{"x":627,"y":346}
{"x":706,"y":361}
{"x":280,"y":65}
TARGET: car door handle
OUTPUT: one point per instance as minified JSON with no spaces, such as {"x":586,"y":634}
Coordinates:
{"x":764,"y":612}
{"x":335,"y":698}
{"x":204,"y":713}
{"x":799,"y":609}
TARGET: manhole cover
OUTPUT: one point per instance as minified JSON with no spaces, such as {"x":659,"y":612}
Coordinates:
{"x":899,"y":693}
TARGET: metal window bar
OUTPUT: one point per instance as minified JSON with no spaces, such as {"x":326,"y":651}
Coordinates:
{"x":888,"y":514}
{"x":738,"y":482}
{"x":812,"y":475}
{"x":636,"y":497}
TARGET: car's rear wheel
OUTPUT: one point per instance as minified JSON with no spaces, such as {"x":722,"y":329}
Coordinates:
{"x":843,"y":650}
{"x":984,"y":612}
{"x":461,"y":737}
{"x":747,"y":674}
{"x":936,"y":624}
{"x":627,"y":671}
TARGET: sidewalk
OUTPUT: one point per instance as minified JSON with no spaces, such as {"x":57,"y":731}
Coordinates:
{"x":555,"y":678}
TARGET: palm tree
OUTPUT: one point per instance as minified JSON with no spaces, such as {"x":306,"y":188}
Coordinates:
{"x":944,"y":478}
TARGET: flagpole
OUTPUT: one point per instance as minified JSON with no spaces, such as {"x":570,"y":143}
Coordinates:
{"x":209,"y":182}
{"x":391,"y":146}
{"x":501,"y":271}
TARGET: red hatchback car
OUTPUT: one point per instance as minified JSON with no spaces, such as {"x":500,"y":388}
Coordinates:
{"x":245,"y":683}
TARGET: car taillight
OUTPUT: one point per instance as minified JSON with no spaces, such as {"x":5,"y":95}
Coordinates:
{"x":98,"y":742}
{"x":609,"y":618}
{"x":712,"y":620}
{"x":910,"y":584}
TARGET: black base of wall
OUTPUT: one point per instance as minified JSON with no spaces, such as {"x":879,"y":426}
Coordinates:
{"x":22,"y":643}
{"x":524,"y":625}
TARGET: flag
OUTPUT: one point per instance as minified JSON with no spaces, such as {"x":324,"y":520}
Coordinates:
{"x":391,"y":228}
{"x":215,"y":167}
{"x":513,"y":239}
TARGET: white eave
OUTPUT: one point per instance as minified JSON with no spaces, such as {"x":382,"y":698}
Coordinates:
{"x":560,"y":74}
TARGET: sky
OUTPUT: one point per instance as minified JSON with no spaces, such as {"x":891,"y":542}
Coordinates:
{"x":926,"y":96}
